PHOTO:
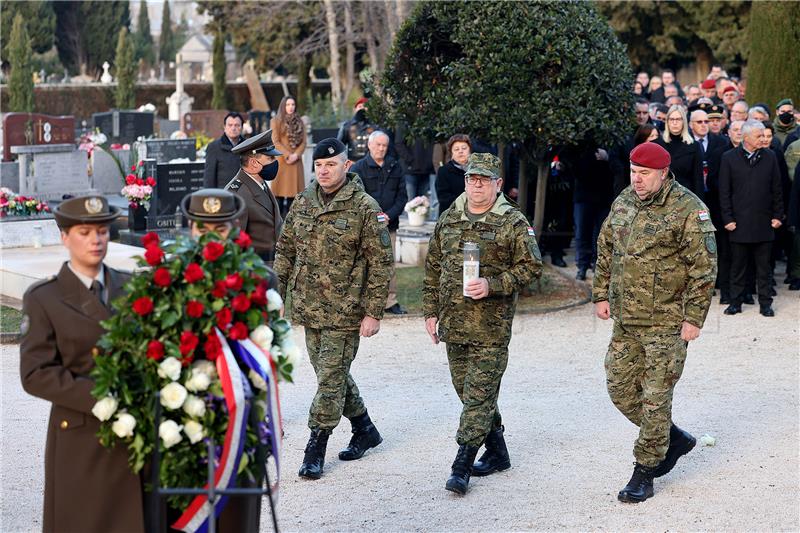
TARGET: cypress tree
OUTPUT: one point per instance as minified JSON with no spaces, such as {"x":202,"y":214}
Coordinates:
{"x":166,"y":41}
{"x":20,"y":82}
{"x":219,"y":98}
{"x":773,"y":69}
{"x":143,"y":41}
{"x":125,"y":96}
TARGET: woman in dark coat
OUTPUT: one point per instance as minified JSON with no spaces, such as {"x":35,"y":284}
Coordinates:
{"x":450,"y":176}
{"x":686,"y":154}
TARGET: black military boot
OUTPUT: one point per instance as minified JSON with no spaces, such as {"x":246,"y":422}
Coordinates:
{"x":314,"y":458}
{"x":495,"y":458}
{"x":458,"y":481}
{"x":365,"y":436}
{"x":640,"y":487}
{"x":680,"y":443}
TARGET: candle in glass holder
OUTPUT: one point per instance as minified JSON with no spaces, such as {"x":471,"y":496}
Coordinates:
{"x":472,"y":263}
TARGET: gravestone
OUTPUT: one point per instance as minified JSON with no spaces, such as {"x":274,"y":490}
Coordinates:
{"x":124,"y":126}
{"x":165,"y":150}
{"x":173,"y":182}
{"x":106,"y":176}
{"x":24,"y":129}
{"x":48,"y":172}
{"x":209,"y":123}
{"x":9,"y":175}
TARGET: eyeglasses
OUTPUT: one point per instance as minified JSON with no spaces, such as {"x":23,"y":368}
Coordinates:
{"x":700,"y":121}
{"x":473,"y":180}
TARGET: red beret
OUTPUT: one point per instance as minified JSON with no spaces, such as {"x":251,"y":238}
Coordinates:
{"x":708,"y":84}
{"x":362,"y":100}
{"x":729,"y":88}
{"x":650,"y":155}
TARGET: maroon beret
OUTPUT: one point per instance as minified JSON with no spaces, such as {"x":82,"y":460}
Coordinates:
{"x":708,"y":84}
{"x":650,"y":155}
{"x":729,"y":88}
{"x":362,"y":100}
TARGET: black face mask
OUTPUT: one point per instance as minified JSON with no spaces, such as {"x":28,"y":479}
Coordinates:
{"x":658,"y":124}
{"x":786,"y":118}
{"x":269,"y":172}
{"x":361,"y":115}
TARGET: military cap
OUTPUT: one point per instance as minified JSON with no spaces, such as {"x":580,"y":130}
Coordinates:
{"x":85,"y":210}
{"x":714,"y":111}
{"x":363,"y":100}
{"x":650,"y":155}
{"x":708,"y":84}
{"x":258,"y":144}
{"x":212,"y":205}
{"x":785,"y":101}
{"x":730,"y":88}
{"x":329,"y":147}
{"x":483,"y":165}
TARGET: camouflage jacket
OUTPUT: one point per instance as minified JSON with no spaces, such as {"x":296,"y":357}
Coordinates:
{"x":334,"y":261}
{"x":509,"y":259}
{"x":657,"y":259}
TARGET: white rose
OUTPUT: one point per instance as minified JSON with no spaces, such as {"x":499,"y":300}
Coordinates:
{"x":173,"y":395}
{"x":257,"y":381}
{"x":199,"y":381}
{"x":292,"y":354}
{"x":206,"y":367}
{"x":170,"y":433}
{"x":123,"y":426}
{"x":274,"y":300}
{"x":104,"y":408}
{"x":262,"y":337}
{"x":194,"y":406}
{"x":275,"y":352}
{"x":170,"y":368}
{"x":194,"y":430}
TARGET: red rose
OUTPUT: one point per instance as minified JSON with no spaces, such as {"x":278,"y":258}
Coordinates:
{"x":130,"y":179}
{"x":220,"y":289}
{"x":141,"y":164}
{"x":240,"y":303}
{"x":161,"y":277}
{"x":139,"y":182}
{"x":243,"y":240}
{"x":154,"y":255}
{"x":155,"y":350}
{"x":193,"y":273}
{"x":186,"y":361}
{"x":150,"y":239}
{"x":194,"y":309}
{"x":143,"y":306}
{"x":259,"y":295}
{"x":213,"y":250}
{"x":150,"y":181}
{"x":239,"y":331}
{"x":133,"y":168}
{"x":224,"y":317}
{"x":234,"y":282}
{"x":189,"y":342}
{"x":212,"y":347}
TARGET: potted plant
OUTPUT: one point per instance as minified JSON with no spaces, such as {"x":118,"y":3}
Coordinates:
{"x":138,"y":190}
{"x":417,"y":210}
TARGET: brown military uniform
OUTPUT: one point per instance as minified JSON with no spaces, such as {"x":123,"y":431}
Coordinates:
{"x":88,"y":488}
{"x":262,"y":218}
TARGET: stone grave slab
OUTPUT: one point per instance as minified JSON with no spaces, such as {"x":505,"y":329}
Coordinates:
{"x":48,"y":172}
{"x":165,"y":150}
{"x":22,"y":129}
{"x":124,"y":126}
{"x":173,"y":182}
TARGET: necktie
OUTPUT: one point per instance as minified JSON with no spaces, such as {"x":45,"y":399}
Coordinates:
{"x":97,"y":290}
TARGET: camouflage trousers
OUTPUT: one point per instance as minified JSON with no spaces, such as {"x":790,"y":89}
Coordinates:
{"x":642,"y":368}
{"x":476,"y":372}
{"x":331,"y":353}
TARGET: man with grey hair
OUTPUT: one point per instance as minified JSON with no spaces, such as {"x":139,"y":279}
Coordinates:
{"x":758,"y":113}
{"x":382,"y":176}
{"x":752,"y":209}
{"x":739,"y":110}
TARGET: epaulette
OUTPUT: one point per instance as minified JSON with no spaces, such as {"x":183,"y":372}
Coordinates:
{"x":40,"y":283}
{"x":233,"y":185}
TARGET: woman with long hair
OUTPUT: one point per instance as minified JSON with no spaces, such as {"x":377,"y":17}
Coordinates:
{"x":686,"y":154}
{"x":289,"y":137}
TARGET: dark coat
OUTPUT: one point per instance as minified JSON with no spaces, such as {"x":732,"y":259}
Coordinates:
{"x":221,"y":164}
{"x":750,"y":195}
{"x":594,"y":182}
{"x":449,"y":184}
{"x":687,"y":163}
{"x":717,"y":145}
{"x":385,"y":184}
{"x":416,"y":157}
{"x":794,"y":201}
{"x":262,"y":218}
{"x":87,"y":488}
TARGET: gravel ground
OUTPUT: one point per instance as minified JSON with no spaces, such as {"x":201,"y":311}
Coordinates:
{"x":570,"y":448}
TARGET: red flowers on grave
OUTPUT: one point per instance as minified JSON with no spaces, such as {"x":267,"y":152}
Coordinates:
{"x":240,"y":303}
{"x":220,"y":289}
{"x":150,"y":239}
{"x":238,"y":331}
{"x":194,"y":309}
{"x":154,"y":255}
{"x":234,"y":282}
{"x":143,"y":306}
{"x":212,"y":347}
{"x":193,"y":273}
{"x":155,"y":350}
{"x":212,"y":251}
{"x":224,"y":317}
{"x":161,"y":277}
{"x":259,"y":296}
{"x":243,"y":240}
{"x":189,"y":342}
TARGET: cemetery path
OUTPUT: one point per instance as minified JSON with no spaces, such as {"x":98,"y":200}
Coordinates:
{"x":570,"y":448}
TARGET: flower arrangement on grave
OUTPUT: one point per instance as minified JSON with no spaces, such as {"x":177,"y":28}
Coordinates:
{"x":193,"y":317}
{"x":418,"y":205}
{"x":17,"y":205}
{"x":91,"y":140}
{"x":138,"y":189}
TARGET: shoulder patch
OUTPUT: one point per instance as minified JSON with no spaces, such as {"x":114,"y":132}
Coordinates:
{"x":531,"y":233}
{"x":386,"y":240}
{"x":702,"y":215}
{"x":233,"y":185}
{"x":24,"y":325}
{"x":711,"y":243}
{"x":383,"y":218}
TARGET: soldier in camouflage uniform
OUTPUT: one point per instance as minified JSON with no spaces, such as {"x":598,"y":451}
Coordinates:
{"x":656,"y":266}
{"x":477,"y":327}
{"x":334,"y":261}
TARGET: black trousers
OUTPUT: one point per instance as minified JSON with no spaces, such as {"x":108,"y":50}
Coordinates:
{"x":723,"y":263}
{"x":760,"y":252}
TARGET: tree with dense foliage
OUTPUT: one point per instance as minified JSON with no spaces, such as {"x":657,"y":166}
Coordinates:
{"x":125,"y":68}
{"x":219,"y":100}
{"x":40,"y":22}
{"x":143,"y":40}
{"x":774,"y":65}
{"x":166,"y":41}
{"x":508,"y":71}
{"x":82,"y":32}
{"x":20,"y":82}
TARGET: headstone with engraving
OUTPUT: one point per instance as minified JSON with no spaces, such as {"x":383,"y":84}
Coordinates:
{"x":124,"y":126}
{"x":165,"y":150}
{"x":208,"y":123}
{"x":48,"y":172}
{"x":173,"y":182}
{"x":22,"y":129}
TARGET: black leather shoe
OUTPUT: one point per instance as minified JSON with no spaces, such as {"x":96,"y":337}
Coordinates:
{"x":365,"y":436}
{"x":733,"y":309}
{"x":495,"y":458}
{"x":680,"y":443}
{"x":788,"y":279}
{"x":794,"y":286}
{"x":314,"y":458}
{"x":766,"y":310}
{"x":640,"y":487}
{"x":748,"y":299}
{"x":458,"y":481}
{"x":396,"y":309}
{"x":581,"y":275}
{"x":558,"y":261}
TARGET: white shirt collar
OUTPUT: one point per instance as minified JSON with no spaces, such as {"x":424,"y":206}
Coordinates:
{"x":86,"y":280}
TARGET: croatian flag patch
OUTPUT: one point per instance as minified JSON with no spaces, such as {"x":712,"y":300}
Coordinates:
{"x":703,"y":216}
{"x":382,"y":217}
{"x":531,"y":232}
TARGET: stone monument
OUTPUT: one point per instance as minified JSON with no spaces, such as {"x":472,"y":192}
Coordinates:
{"x":106,"y":77}
{"x":179,"y":102}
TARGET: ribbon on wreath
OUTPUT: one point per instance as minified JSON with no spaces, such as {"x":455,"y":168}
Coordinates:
{"x":195,"y":517}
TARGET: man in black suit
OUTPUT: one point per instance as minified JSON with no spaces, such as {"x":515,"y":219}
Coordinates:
{"x":221,"y":163}
{"x":752,"y":209}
